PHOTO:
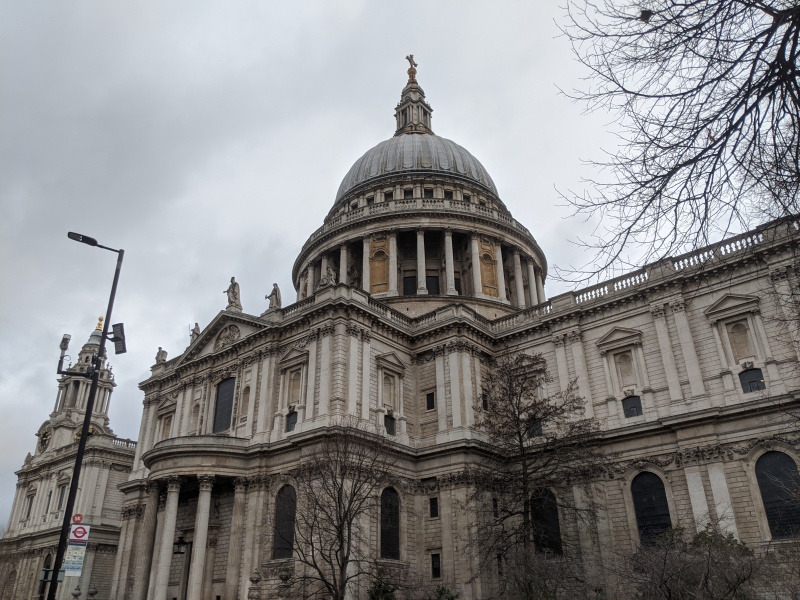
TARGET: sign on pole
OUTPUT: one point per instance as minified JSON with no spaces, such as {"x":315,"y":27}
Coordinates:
{"x":76,"y":549}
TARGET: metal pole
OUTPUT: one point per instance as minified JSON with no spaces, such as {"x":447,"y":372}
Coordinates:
{"x":73,"y":486}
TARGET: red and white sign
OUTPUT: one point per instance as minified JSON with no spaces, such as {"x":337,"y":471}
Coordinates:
{"x":79,"y":533}
{"x":77,"y":518}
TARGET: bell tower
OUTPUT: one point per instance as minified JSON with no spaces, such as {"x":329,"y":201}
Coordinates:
{"x":68,"y":413}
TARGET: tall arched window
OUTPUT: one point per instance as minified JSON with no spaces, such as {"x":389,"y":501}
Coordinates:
{"x":224,"y":405}
{"x":650,"y":505}
{"x":244,"y":406}
{"x":779,"y":484}
{"x":285,"y":507}
{"x":194,"y":425}
{"x":544,"y":520}
{"x":390,"y":524}
{"x":294,"y":387}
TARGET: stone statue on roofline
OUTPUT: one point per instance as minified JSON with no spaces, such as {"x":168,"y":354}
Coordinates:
{"x":234,"y":301}
{"x":274,"y":297}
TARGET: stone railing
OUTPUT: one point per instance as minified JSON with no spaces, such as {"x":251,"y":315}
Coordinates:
{"x":123,"y":443}
{"x":631,"y":280}
{"x":415,"y":205}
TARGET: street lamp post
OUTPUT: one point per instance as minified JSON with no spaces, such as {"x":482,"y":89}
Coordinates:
{"x":95,"y":375}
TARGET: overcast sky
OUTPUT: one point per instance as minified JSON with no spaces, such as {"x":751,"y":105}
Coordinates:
{"x":209,"y":139}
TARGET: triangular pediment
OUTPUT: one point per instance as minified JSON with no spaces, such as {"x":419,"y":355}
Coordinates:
{"x":392,"y":361}
{"x":166,"y":405}
{"x":619,"y":336}
{"x":293,"y":356}
{"x":223,"y":331}
{"x":731,"y":304}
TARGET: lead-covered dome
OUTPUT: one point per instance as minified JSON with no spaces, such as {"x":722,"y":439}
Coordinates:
{"x":411,"y":153}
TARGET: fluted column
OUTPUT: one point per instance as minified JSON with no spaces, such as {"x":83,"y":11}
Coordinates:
{"x":501,"y":276}
{"x":519,"y":289}
{"x":422,"y":287}
{"x":392,"y":263}
{"x":146,"y":544}
{"x":195,"y":590}
{"x":343,"y":260}
{"x":450,"y":277}
{"x":167,"y":538}
{"x":365,"y":285}
{"x":532,"y":283}
{"x":235,"y":545}
{"x":477,"y":284}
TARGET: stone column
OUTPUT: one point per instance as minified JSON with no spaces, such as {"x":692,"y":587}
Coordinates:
{"x":518,"y":285}
{"x":167,"y":538}
{"x":195,"y":589}
{"x":392,"y":263}
{"x":365,"y":266}
{"x":312,"y":278}
{"x":422,"y":287}
{"x":146,"y":544}
{"x":235,"y":544}
{"x":532,"y":289}
{"x":477,"y":284}
{"x":579,"y":360}
{"x":540,"y":286}
{"x":208,"y":572}
{"x":687,"y":348}
{"x":501,"y":276}
{"x":450,"y":277}
{"x":343,"y":260}
{"x":665,"y":345}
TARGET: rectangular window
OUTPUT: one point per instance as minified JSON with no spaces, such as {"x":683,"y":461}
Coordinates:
{"x":448,"y":194}
{"x":430,"y":401}
{"x":370,"y":201}
{"x":408,"y":194}
{"x":409,"y":285}
{"x":224,"y":406}
{"x":457,"y":283}
{"x":47,"y":504}
{"x":389,"y":424}
{"x":428,"y":193}
{"x":467,"y":198}
{"x":29,"y":508}
{"x":432,"y":283}
{"x":433,"y":507}
{"x":62,"y":495}
{"x":495,"y":508}
{"x":388,"y":196}
{"x":291,"y":421}
{"x":436,"y":566}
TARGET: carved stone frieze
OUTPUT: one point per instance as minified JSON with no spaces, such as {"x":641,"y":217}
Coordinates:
{"x":227,"y":336}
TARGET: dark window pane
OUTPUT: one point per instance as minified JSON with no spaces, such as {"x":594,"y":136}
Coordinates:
{"x":632,"y":406}
{"x":534,"y":428}
{"x":544,"y":520}
{"x":752,"y":380}
{"x":291,"y":421}
{"x":433,"y":505}
{"x":432,"y":283}
{"x":388,"y":196}
{"x":388,"y":423}
{"x":390,"y":524}
{"x":224,"y":405}
{"x":457,"y":282}
{"x":436,"y":566}
{"x":448,"y":195}
{"x":430,"y":401}
{"x":409,"y":285}
{"x":408,"y":194}
{"x":428,"y":193}
{"x":285,"y":506}
{"x":650,"y":506}
{"x":779,"y":484}
{"x":370,"y":201}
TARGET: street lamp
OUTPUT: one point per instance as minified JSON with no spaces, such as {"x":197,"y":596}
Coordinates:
{"x":94,"y":373}
{"x":179,"y":546}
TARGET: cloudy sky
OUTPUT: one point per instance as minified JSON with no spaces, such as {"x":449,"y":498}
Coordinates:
{"x":209,"y":139}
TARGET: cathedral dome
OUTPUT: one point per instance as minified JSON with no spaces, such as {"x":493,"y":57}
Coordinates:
{"x":415,"y":153}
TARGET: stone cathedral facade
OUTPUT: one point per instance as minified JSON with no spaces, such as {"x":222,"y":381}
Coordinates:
{"x":417,"y":276}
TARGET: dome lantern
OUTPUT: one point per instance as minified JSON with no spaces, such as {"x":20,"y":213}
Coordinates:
{"x":413,"y":113}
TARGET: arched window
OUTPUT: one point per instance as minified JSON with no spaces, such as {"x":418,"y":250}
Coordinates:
{"x":650,"y":505}
{"x":739,"y":337}
{"x":224,"y":405}
{"x":544,"y":520}
{"x":285,"y":507}
{"x":752,"y":380}
{"x":294,"y":387}
{"x":779,"y":484}
{"x":625,"y":371}
{"x":8,"y":586}
{"x":388,"y":391}
{"x":194,"y":425}
{"x":390,"y":524}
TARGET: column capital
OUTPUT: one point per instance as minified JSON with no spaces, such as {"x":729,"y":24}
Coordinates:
{"x":448,"y":231}
{"x":240,"y":484}
{"x":173,"y":483}
{"x":420,"y":230}
{"x":657,"y":310}
{"x":516,"y":251}
{"x":206,"y":481}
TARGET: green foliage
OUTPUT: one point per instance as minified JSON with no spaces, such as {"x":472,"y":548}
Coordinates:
{"x":381,"y":589}
{"x":443,"y":593}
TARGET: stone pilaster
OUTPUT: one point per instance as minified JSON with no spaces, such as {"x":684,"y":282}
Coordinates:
{"x":667,"y":357}
{"x":687,"y":348}
{"x":167,"y":538}
{"x":146,"y":543}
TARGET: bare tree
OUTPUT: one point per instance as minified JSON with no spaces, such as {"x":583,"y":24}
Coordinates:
{"x":540,"y":448}
{"x":708,"y":566}
{"x":707,"y":99}
{"x":338,"y":486}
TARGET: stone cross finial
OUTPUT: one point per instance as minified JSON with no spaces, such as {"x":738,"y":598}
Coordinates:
{"x":412,"y":71}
